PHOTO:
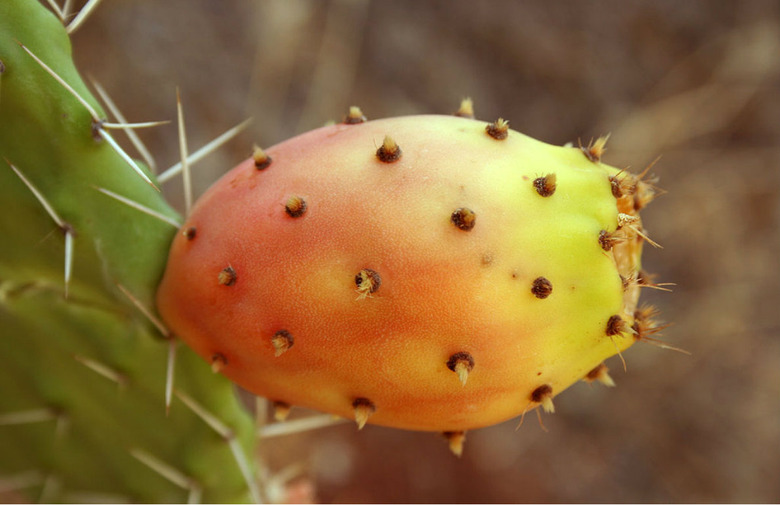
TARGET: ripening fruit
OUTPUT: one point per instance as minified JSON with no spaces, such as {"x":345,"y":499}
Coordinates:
{"x":427,"y":272}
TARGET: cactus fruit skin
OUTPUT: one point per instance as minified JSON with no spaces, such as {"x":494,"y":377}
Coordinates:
{"x":84,"y":372}
{"x":426,"y":272}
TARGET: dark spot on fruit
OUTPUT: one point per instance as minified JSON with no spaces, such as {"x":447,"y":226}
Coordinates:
{"x":462,"y":363}
{"x":545,"y":186}
{"x":607,"y":240}
{"x":355,"y":116}
{"x":462,"y":359}
{"x":282,"y":341}
{"x":227,"y":277}
{"x":615,"y":325}
{"x":295,"y":206}
{"x":279,"y":403}
{"x":367,"y":282}
{"x":455,"y":439}
{"x":541,"y":287}
{"x":487,"y":259}
{"x":539,"y":394}
{"x":262,"y":160}
{"x":499,"y":129}
{"x":364,"y":408}
{"x":464,"y":218}
{"x":363,"y":402}
{"x":600,"y":373}
{"x":281,"y":410}
{"x":596,"y":373}
{"x":190,"y":233}
{"x":218,"y":362}
{"x":389,"y":151}
{"x":617,"y":190}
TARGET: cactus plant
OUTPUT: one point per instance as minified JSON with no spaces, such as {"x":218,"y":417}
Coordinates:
{"x":426,"y":272}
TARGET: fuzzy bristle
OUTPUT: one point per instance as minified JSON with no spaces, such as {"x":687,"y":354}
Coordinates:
{"x":462,"y":363}
{"x":363,"y":408}
{"x":262,"y":160}
{"x":463,"y":219}
{"x":296,"y":206}
{"x":545,"y":186}
{"x":281,"y":411}
{"x":389,"y":151}
{"x":218,"y":362}
{"x":616,"y":325}
{"x":190,"y":233}
{"x":608,"y":240}
{"x":647,"y":280}
{"x":499,"y":129}
{"x":367,"y":282}
{"x":601,"y":374}
{"x":227,"y":277}
{"x":543,"y":395}
{"x":594,"y":150}
{"x":282,"y":341}
{"x":355,"y":116}
{"x":632,"y":223}
{"x":622,"y":184}
{"x":645,"y":325}
{"x":466,"y":109}
{"x":456,"y":440}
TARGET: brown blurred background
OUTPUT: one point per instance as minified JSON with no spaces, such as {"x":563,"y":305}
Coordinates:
{"x":694,"y":81}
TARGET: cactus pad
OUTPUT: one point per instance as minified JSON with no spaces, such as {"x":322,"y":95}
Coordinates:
{"x":83,"y":415}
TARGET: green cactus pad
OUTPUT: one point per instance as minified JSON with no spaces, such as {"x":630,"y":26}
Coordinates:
{"x":83,"y":381}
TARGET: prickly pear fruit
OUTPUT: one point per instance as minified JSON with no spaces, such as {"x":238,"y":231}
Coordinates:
{"x":427,"y":272}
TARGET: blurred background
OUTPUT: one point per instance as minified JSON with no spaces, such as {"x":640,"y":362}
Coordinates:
{"x":695,"y":82}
